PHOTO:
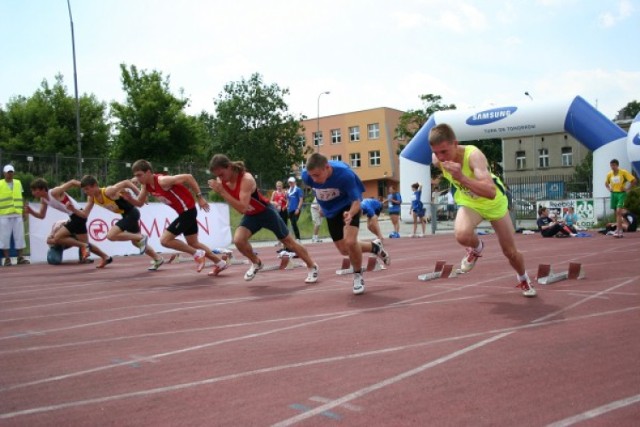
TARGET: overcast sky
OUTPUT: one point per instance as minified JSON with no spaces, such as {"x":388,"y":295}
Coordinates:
{"x":368,"y":53}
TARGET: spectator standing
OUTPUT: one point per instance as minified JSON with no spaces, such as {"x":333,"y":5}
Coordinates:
{"x":11,"y":216}
{"x":618,"y":182}
{"x":295,"y":198}
{"x":394,"y":205}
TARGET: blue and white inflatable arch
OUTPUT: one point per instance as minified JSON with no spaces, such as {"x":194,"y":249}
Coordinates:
{"x":576,"y":117}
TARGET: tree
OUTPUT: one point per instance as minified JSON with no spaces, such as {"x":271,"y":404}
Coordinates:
{"x":152,"y":124}
{"x":412,"y":120}
{"x":630,"y":111}
{"x":45,"y":123}
{"x":252,"y":123}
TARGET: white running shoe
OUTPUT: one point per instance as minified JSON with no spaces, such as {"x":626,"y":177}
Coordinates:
{"x":252,"y":271}
{"x":142,"y":244}
{"x":218,"y":268}
{"x":200,"y":258}
{"x":527,"y":289}
{"x":312,"y":276}
{"x":358,"y":284}
{"x":156,"y":263}
{"x":469,"y":260}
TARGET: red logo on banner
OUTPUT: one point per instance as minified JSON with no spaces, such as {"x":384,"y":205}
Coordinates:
{"x":98,"y":229}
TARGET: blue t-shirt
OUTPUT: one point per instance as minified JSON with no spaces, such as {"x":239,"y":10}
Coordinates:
{"x":294,"y":195}
{"x":416,"y":203}
{"x":394,"y":208}
{"x":371,"y":207}
{"x":339,"y":191}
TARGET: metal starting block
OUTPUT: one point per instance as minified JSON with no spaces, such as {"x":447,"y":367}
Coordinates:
{"x":442,"y":271}
{"x":286,"y":263}
{"x":226,"y":255}
{"x":373,"y":264}
{"x":546,"y":276}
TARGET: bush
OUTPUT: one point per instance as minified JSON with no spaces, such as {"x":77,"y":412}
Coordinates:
{"x":632,"y":201}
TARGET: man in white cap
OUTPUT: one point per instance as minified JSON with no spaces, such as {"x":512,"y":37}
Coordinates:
{"x":11,"y":213}
{"x":295,"y":198}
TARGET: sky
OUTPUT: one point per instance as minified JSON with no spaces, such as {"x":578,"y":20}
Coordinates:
{"x":367,"y":53}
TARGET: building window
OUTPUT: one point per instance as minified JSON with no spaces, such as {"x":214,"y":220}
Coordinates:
{"x":373,"y":130}
{"x":336,"y":136}
{"x":354,"y":160}
{"x":567,"y":156}
{"x":374,"y":158}
{"x":317,"y":138}
{"x":521,"y":160}
{"x":354,"y":133}
{"x":543,"y":158}
{"x":337,"y":157}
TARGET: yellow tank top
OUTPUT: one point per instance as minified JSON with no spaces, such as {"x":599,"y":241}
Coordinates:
{"x":108,"y":203}
{"x":489,"y":209}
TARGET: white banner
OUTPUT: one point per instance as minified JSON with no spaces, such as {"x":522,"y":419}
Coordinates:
{"x":214,"y":229}
{"x":584,"y":208}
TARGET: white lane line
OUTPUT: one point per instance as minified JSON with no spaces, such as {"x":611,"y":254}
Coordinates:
{"x":596,"y":412}
{"x":328,"y":360}
{"x":387,"y":382}
{"x":586,"y":299}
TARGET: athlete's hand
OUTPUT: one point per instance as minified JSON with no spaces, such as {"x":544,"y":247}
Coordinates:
{"x":215,"y":185}
{"x":455,"y":169}
{"x":347,"y":217}
{"x":204,"y":205}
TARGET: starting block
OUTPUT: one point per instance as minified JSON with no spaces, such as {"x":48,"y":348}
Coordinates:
{"x":225,"y":255}
{"x":546,"y":276}
{"x":373,"y":264}
{"x":442,"y":271}
{"x":286,"y":263}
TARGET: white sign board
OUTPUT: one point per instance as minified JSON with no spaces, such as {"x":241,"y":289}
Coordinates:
{"x":214,"y":229}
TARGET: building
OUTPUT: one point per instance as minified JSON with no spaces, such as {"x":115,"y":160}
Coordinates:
{"x":366,"y":140}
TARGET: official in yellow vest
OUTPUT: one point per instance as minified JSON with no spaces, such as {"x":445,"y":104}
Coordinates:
{"x":11,"y":216}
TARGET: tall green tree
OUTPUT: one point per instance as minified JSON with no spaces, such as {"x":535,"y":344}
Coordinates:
{"x":252,"y":123}
{"x":152,"y":124}
{"x":45,"y":123}
{"x":629,"y":111}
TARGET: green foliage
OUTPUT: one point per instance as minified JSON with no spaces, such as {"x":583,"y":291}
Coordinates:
{"x":413,"y":120}
{"x":45,"y":123}
{"x":151,"y":124}
{"x":252,"y":124}
{"x":630,"y":111}
{"x":582,"y":175}
{"x":632,"y":202}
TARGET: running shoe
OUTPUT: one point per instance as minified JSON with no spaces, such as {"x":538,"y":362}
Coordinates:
{"x":200,"y":258}
{"x":218,"y":268}
{"x":358,"y":284}
{"x":469,"y":261}
{"x":384,"y":255}
{"x":156,"y":263}
{"x":104,"y":262}
{"x":527,"y":289}
{"x":142,"y":244}
{"x":7,"y":262}
{"x":312,"y":276}
{"x":253,"y":270}
{"x":85,"y":251}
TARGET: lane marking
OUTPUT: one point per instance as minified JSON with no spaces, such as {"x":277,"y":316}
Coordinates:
{"x":596,"y":412}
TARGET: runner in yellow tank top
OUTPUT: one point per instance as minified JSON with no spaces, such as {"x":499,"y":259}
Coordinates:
{"x":128,"y":227}
{"x":480,"y":196}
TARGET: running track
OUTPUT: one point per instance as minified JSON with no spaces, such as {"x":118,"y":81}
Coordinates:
{"x":123,"y":346}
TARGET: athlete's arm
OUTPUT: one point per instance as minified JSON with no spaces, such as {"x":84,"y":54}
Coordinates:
{"x":41,"y":213}
{"x":136,"y":201}
{"x":58,"y":191}
{"x":114,"y":191}
{"x":83,"y":213}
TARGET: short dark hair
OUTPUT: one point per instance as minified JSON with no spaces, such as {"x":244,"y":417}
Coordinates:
{"x":614,"y":162}
{"x":141,"y":165}
{"x":87,"y":181}
{"x":39,"y":184}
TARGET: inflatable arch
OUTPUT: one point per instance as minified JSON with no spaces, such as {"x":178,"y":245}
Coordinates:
{"x":576,"y":117}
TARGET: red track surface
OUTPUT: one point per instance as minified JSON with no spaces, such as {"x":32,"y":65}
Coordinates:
{"x":123,"y":346}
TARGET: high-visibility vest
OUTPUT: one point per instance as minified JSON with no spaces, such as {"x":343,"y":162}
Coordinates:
{"x":11,"y":202}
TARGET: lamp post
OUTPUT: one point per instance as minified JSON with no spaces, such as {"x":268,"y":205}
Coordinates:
{"x":529,"y":95}
{"x":75,"y":83}
{"x":318,"y":127}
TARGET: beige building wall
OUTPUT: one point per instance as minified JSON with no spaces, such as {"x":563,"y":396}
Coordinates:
{"x":376,"y":147}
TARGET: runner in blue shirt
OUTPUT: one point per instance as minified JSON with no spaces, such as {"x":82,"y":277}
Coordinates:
{"x":339,"y":192}
{"x":371,"y":208}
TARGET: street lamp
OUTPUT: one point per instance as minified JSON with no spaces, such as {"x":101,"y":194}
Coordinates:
{"x":529,"y":95}
{"x":318,"y":127}
{"x":75,"y":83}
